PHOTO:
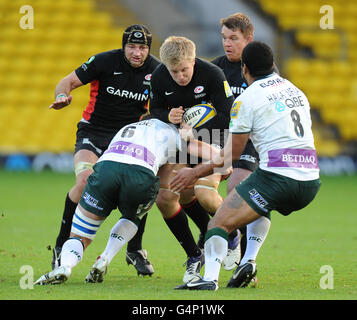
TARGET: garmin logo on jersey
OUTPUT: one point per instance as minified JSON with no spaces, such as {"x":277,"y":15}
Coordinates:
{"x":258,"y":199}
{"x":127,"y":94}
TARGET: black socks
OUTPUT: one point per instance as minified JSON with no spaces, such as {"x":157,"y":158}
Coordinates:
{"x":178,"y":225}
{"x":68,"y":213}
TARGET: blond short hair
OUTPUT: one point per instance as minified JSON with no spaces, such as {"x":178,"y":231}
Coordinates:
{"x":177,"y":49}
{"x":239,"y":21}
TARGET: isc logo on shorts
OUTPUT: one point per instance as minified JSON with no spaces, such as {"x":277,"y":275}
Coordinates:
{"x":258,"y":199}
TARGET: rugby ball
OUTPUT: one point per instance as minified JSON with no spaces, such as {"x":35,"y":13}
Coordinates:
{"x":198,"y":115}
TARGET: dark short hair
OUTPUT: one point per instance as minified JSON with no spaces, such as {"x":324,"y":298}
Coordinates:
{"x":259,"y":59}
{"x":137,"y":33}
{"x":239,"y":21}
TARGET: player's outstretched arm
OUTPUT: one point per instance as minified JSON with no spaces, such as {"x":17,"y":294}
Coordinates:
{"x":231,"y":151}
{"x":63,"y":90}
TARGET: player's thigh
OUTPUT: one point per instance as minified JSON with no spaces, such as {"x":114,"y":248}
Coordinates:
{"x":83,"y":164}
{"x":206,"y":191}
{"x":244,"y":166}
{"x":233,"y":213}
{"x":139,"y":188}
{"x":210,"y":182}
{"x":167,"y":172}
{"x":83,"y":167}
{"x":167,"y":201}
{"x":238,"y":175}
{"x":101,"y":192}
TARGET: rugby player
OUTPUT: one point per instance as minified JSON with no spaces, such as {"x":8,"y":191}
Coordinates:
{"x":119,"y":92}
{"x":124,"y":177}
{"x":287,"y":178}
{"x":237,"y":31}
{"x":180,"y":82}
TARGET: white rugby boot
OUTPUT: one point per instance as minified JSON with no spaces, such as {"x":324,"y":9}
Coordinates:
{"x":56,"y":276}
{"x":98,"y":271}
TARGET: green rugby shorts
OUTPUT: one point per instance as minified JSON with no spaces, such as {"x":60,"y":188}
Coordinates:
{"x":265,"y":191}
{"x":130,"y":188}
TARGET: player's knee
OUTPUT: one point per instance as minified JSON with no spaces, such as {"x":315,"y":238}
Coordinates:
{"x":237,"y":176}
{"x":208,"y":196}
{"x":81,"y":180}
{"x":84,"y":227}
{"x":187,"y":196}
{"x":167,"y":202}
{"x":85,"y":241}
{"x":209,"y":200}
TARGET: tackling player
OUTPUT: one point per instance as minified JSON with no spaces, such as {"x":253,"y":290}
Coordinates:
{"x":276,"y":115}
{"x":180,"y":82}
{"x":119,"y":91}
{"x":124,"y":177}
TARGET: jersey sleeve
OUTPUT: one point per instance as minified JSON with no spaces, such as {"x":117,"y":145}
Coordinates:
{"x":241,"y":117}
{"x":158,"y":108}
{"x":90,"y":70}
{"x":221,"y":98}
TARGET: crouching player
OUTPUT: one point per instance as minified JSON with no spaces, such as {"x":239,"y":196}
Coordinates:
{"x":125,"y":178}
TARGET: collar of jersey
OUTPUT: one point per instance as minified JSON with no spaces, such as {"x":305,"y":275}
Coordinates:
{"x":264,"y":77}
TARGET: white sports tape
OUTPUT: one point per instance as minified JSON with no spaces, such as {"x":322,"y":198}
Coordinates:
{"x":199,"y":186}
{"x":84,"y":226}
{"x":175,"y":192}
{"x":203,"y":179}
{"x":81,"y":166}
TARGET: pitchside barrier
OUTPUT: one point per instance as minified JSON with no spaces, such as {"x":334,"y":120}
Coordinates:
{"x":63,"y":162}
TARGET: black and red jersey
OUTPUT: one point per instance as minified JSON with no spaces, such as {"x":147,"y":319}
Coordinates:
{"x":118,"y":92}
{"x":233,"y":72}
{"x":208,"y":85}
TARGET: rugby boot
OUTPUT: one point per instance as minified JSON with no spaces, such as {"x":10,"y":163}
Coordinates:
{"x":139,"y":259}
{"x":56,"y":276}
{"x":243,"y":275}
{"x":98,"y":271}
{"x":193,"y":268}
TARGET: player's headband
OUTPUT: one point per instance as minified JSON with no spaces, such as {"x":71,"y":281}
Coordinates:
{"x":137,"y":34}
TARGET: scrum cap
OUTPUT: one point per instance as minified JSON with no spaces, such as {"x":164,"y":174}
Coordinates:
{"x":138,"y":34}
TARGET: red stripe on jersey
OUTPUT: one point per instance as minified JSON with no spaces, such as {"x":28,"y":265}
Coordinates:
{"x":94,"y":85}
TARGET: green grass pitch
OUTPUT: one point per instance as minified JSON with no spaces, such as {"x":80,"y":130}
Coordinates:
{"x":290,"y":264}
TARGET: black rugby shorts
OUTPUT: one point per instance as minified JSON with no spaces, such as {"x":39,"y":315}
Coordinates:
{"x":93,"y":138}
{"x":249,"y":158}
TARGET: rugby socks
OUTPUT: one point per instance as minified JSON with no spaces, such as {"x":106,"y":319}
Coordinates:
{"x":178,"y":224}
{"x":135,"y":243}
{"x":198,"y":215}
{"x":72,"y":252}
{"x":243,"y":240}
{"x":65,"y":230}
{"x":257,"y":231}
{"x":216,"y":248}
{"x":121,"y":233}
{"x":233,"y":240}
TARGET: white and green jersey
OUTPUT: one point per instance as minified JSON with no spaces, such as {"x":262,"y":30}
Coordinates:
{"x":277,"y":115}
{"x":149,"y":143}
